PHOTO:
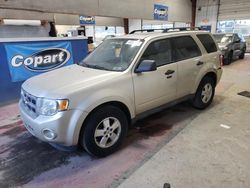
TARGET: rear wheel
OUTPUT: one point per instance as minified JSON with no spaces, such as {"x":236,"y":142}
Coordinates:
{"x":205,"y":93}
{"x":242,"y":55}
{"x":104,"y":131}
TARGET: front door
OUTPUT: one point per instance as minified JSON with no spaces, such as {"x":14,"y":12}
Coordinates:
{"x":236,"y":45}
{"x":156,"y":88}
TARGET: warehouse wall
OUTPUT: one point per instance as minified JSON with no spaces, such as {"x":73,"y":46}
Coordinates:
{"x":89,"y":7}
{"x":17,"y":31}
{"x":207,"y":13}
{"x":179,"y":10}
{"x":25,"y":14}
{"x":108,"y":21}
{"x":126,"y":9}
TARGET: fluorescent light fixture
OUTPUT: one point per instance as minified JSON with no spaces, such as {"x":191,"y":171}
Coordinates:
{"x":21,"y":22}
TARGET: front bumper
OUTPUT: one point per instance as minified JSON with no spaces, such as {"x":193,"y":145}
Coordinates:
{"x":64,"y":125}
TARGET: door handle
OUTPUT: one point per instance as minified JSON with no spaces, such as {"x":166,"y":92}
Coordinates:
{"x":200,"y":63}
{"x":169,"y":72}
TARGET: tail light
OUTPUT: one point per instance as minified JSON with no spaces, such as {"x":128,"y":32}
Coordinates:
{"x":221,"y":60}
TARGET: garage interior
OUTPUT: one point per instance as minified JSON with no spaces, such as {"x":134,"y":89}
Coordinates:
{"x":179,"y":147}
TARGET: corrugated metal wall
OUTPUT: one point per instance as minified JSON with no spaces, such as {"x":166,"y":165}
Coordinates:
{"x":234,"y":9}
{"x":206,"y":13}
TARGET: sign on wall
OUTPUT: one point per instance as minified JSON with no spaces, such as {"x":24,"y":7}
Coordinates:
{"x":87,"y":20}
{"x":160,"y":12}
{"x":26,"y":60}
{"x":206,"y":27}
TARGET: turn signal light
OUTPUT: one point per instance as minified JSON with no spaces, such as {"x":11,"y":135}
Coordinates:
{"x":63,"y":105}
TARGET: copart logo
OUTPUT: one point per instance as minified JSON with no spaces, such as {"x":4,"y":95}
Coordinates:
{"x":87,"y":19}
{"x":161,"y":12}
{"x":42,"y":61}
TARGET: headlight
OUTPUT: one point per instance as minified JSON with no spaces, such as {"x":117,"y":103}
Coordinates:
{"x":50,"y":107}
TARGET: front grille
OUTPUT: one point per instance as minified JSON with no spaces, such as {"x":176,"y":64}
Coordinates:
{"x":29,"y":103}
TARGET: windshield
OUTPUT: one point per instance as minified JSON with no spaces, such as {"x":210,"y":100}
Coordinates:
{"x":113,"y":55}
{"x":223,"y":38}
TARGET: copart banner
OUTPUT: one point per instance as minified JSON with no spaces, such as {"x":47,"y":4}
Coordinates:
{"x":29,"y":59}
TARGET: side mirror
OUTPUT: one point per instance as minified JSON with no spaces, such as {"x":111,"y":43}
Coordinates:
{"x":146,"y":66}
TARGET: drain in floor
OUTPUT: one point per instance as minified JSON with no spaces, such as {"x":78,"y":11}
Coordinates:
{"x":245,"y":94}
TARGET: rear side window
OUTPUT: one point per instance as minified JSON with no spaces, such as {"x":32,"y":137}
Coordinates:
{"x":185,"y":48}
{"x":160,"y":51}
{"x":208,"y":42}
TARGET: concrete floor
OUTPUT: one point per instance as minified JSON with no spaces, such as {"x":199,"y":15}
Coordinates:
{"x":180,"y":146}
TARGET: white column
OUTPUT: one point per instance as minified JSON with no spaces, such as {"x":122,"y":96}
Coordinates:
{"x":134,"y":24}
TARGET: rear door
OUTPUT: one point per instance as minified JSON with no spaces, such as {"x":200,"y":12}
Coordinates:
{"x":212,"y":53}
{"x":187,"y":55}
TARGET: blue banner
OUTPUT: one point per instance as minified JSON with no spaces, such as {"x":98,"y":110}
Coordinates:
{"x":29,"y":59}
{"x":160,"y":12}
{"x":206,"y":27}
{"x":87,"y":20}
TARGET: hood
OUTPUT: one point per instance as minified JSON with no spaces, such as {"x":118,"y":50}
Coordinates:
{"x":66,"y":80}
{"x":222,"y":45}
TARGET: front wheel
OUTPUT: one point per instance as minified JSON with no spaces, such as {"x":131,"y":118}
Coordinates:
{"x":205,"y":93}
{"x":229,"y":58}
{"x":104,"y":131}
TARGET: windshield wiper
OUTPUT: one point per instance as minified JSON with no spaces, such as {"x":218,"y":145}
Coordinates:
{"x":95,"y":66}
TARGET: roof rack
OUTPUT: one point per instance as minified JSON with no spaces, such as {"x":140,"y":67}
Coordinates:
{"x":145,"y":30}
{"x":176,"y":29}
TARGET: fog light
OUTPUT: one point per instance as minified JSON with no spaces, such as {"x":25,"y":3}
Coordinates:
{"x":49,"y":134}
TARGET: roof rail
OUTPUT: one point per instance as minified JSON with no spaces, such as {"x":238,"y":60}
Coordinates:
{"x":145,"y":30}
{"x":175,"y":29}
{"x":181,"y":29}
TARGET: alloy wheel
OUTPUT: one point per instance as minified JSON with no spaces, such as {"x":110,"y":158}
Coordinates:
{"x":207,"y":93}
{"x":107,"y":132}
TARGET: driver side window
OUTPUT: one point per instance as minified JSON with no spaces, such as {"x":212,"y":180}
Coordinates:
{"x":160,"y":51}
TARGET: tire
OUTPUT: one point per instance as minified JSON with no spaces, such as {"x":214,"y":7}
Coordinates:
{"x":205,"y":93}
{"x":242,"y":55}
{"x":104,"y":131}
{"x":229,"y":58}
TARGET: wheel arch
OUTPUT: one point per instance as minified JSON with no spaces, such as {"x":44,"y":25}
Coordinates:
{"x":115,"y":103}
{"x":210,"y":74}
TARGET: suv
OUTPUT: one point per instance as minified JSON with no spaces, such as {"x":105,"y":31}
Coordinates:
{"x":93,"y":103}
{"x":232,"y":45}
